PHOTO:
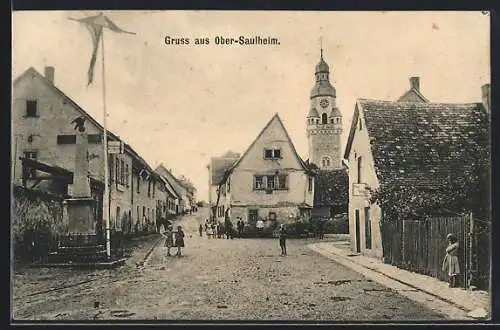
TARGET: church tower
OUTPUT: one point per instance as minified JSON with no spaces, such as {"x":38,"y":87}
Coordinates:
{"x":324,"y":121}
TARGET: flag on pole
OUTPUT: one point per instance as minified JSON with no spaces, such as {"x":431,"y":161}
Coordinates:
{"x":95,"y":25}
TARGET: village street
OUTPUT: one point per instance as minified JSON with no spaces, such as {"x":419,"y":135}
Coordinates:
{"x":217,"y":279}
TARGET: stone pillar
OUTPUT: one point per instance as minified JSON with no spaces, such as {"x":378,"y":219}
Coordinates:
{"x":81,"y":184}
{"x":79,"y":209}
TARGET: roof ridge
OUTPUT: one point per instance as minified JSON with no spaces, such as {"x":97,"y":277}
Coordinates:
{"x":81,"y":110}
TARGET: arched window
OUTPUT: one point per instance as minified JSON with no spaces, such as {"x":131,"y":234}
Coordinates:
{"x":324,"y":119}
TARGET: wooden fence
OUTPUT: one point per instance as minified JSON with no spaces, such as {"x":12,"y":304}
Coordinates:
{"x":419,"y":245}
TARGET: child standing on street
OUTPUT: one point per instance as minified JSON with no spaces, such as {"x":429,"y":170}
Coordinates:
{"x":169,"y":241}
{"x":179,"y":240}
{"x":282,"y":235}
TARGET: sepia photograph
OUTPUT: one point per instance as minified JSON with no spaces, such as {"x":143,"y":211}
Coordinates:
{"x":250,"y":166}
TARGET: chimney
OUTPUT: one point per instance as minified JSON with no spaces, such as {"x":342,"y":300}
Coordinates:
{"x":49,"y":73}
{"x":415,"y":83}
{"x":486,"y":91}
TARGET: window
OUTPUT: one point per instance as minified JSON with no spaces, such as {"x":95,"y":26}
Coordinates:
{"x":281,"y":184}
{"x":117,"y":170}
{"x":360,"y":124}
{"x":149,"y":188}
{"x":111,"y":167}
{"x":138,"y":184}
{"x":143,"y":211}
{"x":154,"y":189}
{"x":272,"y":216}
{"x":310,"y":183}
{"x":94,"y":138}
{"x":331,"y":121}
{"x":122,"y":172}
{"x":71,"y":138}
{"x":31,"y":155}
{"x":138,"y":214}
{"x":272,"y":153}
{"x":31,"y":108}
{"x":324,"y":118}
{"x":117,"y":220}
{"x":368,"y":229}
{"x":359,"y":169}
{"x":127,"y":174}
{"x":326,"y":161}
{"x":270,"y":181}
{"x":66,"y":139}
{"x":258,"y":182}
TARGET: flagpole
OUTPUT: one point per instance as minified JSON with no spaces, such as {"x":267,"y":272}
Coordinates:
{"x":105,"y":203}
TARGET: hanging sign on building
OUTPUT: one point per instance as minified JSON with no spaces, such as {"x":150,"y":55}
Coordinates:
{"x":116,"y":147}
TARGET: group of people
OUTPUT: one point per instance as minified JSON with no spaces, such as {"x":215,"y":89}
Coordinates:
{"x":215,"y":229}
{"x":173,"y":239}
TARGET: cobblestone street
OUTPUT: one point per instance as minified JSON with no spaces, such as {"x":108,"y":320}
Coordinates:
{"x":216,"y":279}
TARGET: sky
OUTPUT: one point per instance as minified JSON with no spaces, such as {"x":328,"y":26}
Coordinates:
{"x":182,"y":104}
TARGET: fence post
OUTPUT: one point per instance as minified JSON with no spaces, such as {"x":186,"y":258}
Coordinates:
{"x":471,"y":249}
{"x":403,"y":250}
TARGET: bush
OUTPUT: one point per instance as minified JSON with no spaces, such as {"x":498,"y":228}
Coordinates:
{"x":36,"y":225}
{"x":337,"y":225}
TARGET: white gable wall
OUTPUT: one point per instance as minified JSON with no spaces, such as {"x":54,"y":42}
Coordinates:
{"x":361,"y":148}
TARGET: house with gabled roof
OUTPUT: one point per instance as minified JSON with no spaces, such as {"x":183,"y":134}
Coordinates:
{"x":409,"y":143}
{"x":270,"y":181}
{"x":218,"y":194}
{"x":44,"y":137}
{"x":183,"y":202}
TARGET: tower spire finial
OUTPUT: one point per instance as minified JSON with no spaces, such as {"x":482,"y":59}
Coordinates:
{"x":321,"y":46}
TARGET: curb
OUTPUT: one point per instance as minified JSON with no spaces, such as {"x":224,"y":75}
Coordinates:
{"x":150,"y":251}
{"x":382,"y":278}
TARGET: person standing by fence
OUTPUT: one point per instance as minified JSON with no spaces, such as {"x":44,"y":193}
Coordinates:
{"x":282,"y":236}
{"x":450,"y":262}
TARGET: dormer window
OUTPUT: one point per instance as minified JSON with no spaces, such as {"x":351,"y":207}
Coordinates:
{"x":272,"y":153}
{"x":360,"y":124}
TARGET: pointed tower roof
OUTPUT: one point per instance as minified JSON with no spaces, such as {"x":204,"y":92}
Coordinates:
{"x":322,"y":86}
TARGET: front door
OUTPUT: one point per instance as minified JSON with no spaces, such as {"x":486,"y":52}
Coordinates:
{"x":253,"y":215}
{"x":358,"y":243}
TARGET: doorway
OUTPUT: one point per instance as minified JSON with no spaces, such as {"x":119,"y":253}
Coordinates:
{"x":358,"y":241}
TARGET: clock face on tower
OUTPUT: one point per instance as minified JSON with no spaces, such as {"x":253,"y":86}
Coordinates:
{"x":323,"y":103}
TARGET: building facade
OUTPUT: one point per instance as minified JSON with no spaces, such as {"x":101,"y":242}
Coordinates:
{"x":324,"y":128}
{"x":219,"y":191}
{"x":324,"y":121}
{"x":42,"y":128}
{"x":410,"y":142}
{"x":269,"y":181}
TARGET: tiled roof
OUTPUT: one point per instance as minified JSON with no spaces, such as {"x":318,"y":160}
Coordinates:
{"x":111,"y":136}
{"x":331,"y":188}
{"x":424,"y":144}
{"x":219,"y":167}
{"x":277,"y":117}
